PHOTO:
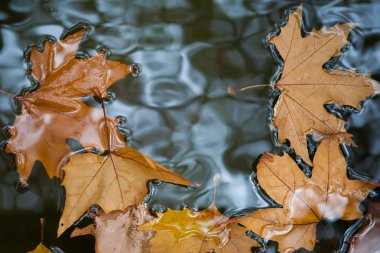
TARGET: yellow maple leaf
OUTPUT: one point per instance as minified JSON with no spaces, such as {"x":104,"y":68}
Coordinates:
{"x":204,"y":231}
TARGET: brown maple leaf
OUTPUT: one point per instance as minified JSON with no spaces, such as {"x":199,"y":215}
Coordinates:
{"x":113,"y":181}
{"x":204,"y":231}
{"x":328,"y":194}
{"x":306,"y":86}
{"x":367,"y":239}
{"x":54,"y":113}
{"x":116,"y":232}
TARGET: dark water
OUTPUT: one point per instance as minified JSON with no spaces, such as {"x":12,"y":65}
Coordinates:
{"x":178,"y":109}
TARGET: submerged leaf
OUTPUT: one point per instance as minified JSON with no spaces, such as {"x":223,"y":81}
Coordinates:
{"x":328,"y":194}
{"x":40,"y":249}
{"x":54,"y":112}
{"x":116,"y":232}
{"x":205,"y":231}
{"x":114,"y":181}
{"x":367,"y":240}
{"x":306,"y":86}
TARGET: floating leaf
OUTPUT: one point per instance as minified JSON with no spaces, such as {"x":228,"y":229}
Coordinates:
{"x":54,"y":112}
{"x":113,"y":181}
{"x":116,"y":232}
{"x":328,"y":194}
{"x":367,"y":240}
{"x":40,"y":249}
{"x":306,"y":86}
{"x":204,"y":231}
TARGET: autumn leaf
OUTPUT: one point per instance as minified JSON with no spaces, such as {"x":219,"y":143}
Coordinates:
{"x":204,"y":231}
{"x":306,"y":86}
{"x":367,"y":239}
{"x":116,"y":232}
{"x":113,"y":181}
{"x":54,"y":113}
{"x":61,"y":75}
{"x":328,"y":194}
{"x":40,"y":249}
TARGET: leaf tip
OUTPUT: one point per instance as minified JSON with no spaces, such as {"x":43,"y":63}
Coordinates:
{"x":135,"y":69}
{"x":267,"y":157}
{"x":346,"y":138}
{"x":300,"y":8}
{"x":76,"y":33}
{"x":374,"y":85}
{"x":346,"y":28}
{"x":298,"y":12}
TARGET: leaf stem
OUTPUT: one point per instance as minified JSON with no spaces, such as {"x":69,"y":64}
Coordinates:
{"x":42,"y":220}
{"x":107,"y":130}
{"x":7,"y":93}
{"x":233,"y":91}
{"x":216,"y":179}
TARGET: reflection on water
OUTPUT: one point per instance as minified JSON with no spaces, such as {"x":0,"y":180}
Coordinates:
{"x":178,"y":109}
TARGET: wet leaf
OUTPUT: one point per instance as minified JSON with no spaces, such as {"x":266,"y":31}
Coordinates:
{"x":367,"y":240}
{"x":117,"y":231}
{"x":306,"y":86}
{"x":114,"y":181}
{"x":328,"y":194}
{"x":40,"y":249}
{"x":54,"y":112}
{"x":204,"y":231}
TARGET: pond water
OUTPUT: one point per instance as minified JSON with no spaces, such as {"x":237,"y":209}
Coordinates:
{"x":178,"y":110}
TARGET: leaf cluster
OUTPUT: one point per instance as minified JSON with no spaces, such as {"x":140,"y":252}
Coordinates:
{"x":114,"y":176}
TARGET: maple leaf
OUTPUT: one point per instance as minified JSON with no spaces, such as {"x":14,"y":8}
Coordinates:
{"x":366,"y":240}
{"x":306,"y":86}
{"x":54,"y":112}
{"x":116,"y":231}
{"x":204,"y":231}
{"x":40,"y":249}
{"x":113,"y":181}
{"x":328,"y":194}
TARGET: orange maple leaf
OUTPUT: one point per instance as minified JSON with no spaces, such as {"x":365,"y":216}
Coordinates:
{"x":54,"y":112}
{"x":328,"y":194}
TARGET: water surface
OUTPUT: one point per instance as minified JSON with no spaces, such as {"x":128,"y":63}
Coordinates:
{"x":178,"y":110}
